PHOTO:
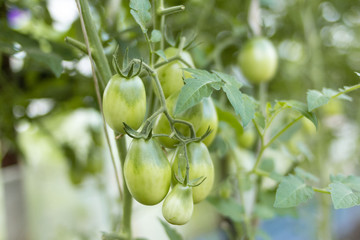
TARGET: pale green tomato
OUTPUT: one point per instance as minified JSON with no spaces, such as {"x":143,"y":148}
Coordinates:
{"x":201,"y":165}
{"x":247,"y":138}
{"x":162,"y":126}
{"x":209,"y":119}
{"x":124,"y":100}
{"x":178,"y":205}
{"x":171,"y":74}
{"x":258,"y":60}
{"x":147,"y":171}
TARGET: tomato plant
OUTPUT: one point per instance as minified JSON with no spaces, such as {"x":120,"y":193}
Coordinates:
{"x":178,"y":206}
{"x":258,"y":60}
{"x":181,"y":114}
{"x":147,"y":171}
{"x":124,"y":100}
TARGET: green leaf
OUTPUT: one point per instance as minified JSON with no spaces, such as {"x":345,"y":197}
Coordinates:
{"x":242,"y":103}
{"x":301,"y":108}
{"x":351,"y":181}
{"x":155,"y":36}
{"x":227,"y":207}
{"x":291,"y":192}
{"x":161,"y":54}
{"x":229,"y":117}
{"x":49,"y":60}
{"x":172,"y":233}
{"x":343,"y":196}
{"x":305,"y":175}
{"x":140,"y":12}
{"x":229,"y":79}
{"x":317,"y":99}
{"x":197,"y":88}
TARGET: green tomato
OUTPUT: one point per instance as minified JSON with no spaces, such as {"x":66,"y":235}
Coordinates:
{"x":124,"y":100}
{"x":209,"y":119}
{"x":200,"y":164}
{"x":147,"y":171}
{"x":178,"y":206}
{"x":225,"y":189}
{"x":162,"y":126}
{"x":171,"y":74}
{"x":258,"y":60}
{"x":247,"y":138}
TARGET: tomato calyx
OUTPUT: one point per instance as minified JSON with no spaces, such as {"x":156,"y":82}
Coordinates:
{"x":128,"y":70}
{"x":146,"y":132}
{"x":192,"y":183}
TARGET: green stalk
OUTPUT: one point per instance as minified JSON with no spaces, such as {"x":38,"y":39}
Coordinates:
{"x":125,"y":229}
{"x":95,"y":43}
{"x":94,"y":47}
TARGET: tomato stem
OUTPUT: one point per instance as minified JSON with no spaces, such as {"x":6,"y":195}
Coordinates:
{"x":93,"y":44}
{"x":127,"y":204}
{"x":170,"y":10}
{"x":187,"y":166}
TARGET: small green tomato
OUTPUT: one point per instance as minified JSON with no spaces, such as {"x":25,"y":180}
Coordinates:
{"x":178,"y":205}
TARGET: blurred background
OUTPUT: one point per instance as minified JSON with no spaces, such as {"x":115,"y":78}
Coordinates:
{"x":56,"y":178}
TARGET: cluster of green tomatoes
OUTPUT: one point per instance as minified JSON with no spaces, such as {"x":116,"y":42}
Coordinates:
{"x":190,"y":172}
{"x":147,"y":170}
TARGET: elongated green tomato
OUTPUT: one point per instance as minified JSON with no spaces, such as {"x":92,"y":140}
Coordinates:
{"x":147,"y":171}
{"x":162,"y":126}
{"x":201,"y":165}
{"x":258,"y":60}
{"x":209,"y":119}
{"x":171,"y":74}
{"x":124,"y":100}
{"x":178,"y":205}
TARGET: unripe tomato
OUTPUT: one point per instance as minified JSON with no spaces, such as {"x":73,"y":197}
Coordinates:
{"x":147,"y":171}
{"x":124,"y":100}
{"x":171,"y":74}
{"x":178,"y":205}
{"x":200,"y":164}
{"x":225,"y":189}
{"x":193,"y":115}
{"x":247,"y":138}
{"x":258,"y":60}
{"x":209,"y":119}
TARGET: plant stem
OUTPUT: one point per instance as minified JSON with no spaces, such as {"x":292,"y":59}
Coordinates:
{"x":262,"y":96}
{"x":187,"y":166}
{"x":321,"y":190}
{"x":347,"y":90}
{"x":84,"y":10}
{"x":127,"y":204}
{"x":170,"y":10}
{"x":169,"y":60}
{"x":77,"y":44}
{"x":95,"y":43}
{"x":258,"y":159}
{"x":282,"y":131}
{"x":151,"y":52}
{"x":162,"y":26}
